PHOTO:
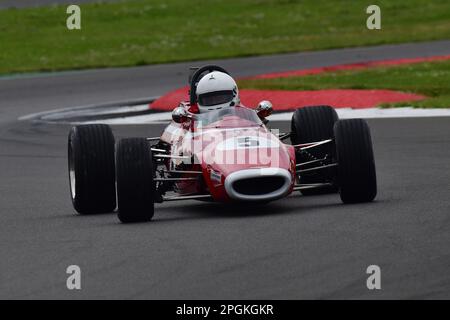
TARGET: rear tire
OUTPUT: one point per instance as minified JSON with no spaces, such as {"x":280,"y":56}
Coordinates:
{"x":135,"y":183}
{"x":91,"y":169}
{"x":310,"y":124}
{"x":356,"y":169}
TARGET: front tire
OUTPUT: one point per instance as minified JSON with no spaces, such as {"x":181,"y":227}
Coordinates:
{"x":135,"y":184}
{"x":91,"y":169}
{"x":311,"y":124}
{"x":356,"y":164}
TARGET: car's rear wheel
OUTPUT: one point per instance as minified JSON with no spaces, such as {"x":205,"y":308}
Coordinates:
{"x":356,"y":165}
{"x":135,"y":180}
{"x":310,"y":124}
{"x":91,"y":169}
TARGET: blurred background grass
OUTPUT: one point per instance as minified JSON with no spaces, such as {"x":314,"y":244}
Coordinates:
{"x":143,"y":32}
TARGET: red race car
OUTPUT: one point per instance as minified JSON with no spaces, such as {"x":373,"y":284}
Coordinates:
{"x":216,"y":149}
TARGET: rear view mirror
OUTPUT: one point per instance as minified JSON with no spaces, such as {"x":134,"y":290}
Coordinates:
{"x":180,"y":115}
{"x":264,"y":109}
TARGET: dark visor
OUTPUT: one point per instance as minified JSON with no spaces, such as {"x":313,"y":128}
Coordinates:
{"x":214,"y":98}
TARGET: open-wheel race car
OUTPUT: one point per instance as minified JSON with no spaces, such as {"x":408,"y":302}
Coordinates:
{"x":223,"y":155}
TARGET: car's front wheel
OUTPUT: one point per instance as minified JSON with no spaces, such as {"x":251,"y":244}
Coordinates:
{"x":356,"y":165}
{"x":91,"y":169}
{"x":135,"y":180}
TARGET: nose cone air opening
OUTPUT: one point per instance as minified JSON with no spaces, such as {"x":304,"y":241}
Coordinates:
{"x":258,"y":184}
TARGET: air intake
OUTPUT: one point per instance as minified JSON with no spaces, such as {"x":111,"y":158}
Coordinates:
{"x":258,"y":184}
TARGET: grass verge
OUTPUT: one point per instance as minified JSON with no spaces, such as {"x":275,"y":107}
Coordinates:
{"x":431,"y":79}
{"x":144,"y":32}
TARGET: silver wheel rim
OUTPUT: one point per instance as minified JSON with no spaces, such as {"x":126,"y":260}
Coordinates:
{"x":72,"y":175}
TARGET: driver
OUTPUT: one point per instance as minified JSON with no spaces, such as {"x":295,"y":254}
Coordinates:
{"x":216,"y":90}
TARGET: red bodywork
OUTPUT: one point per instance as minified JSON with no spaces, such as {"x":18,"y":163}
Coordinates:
{"x":240,"y":159}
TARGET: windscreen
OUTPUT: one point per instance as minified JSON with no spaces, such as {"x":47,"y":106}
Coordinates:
{"x":227,"y":117}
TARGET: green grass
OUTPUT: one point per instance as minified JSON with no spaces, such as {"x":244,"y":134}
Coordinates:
{"x":431,"y":79}
{"x":155,"y":31}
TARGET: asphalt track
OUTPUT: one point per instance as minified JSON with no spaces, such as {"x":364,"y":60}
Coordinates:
{"x":300,"y":247}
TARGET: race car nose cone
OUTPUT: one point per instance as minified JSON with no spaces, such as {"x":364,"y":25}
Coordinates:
{"x":261,"y":184}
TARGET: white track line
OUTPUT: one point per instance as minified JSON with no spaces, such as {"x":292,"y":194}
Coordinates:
{"x":344,"y":113}
{"x":138,"y":104}
{"x":405,"y":112}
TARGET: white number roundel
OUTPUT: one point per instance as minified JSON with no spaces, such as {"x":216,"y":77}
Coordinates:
{"x":247,"y":142}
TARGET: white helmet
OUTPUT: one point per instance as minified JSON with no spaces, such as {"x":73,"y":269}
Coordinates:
{"x":216,"y":90}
